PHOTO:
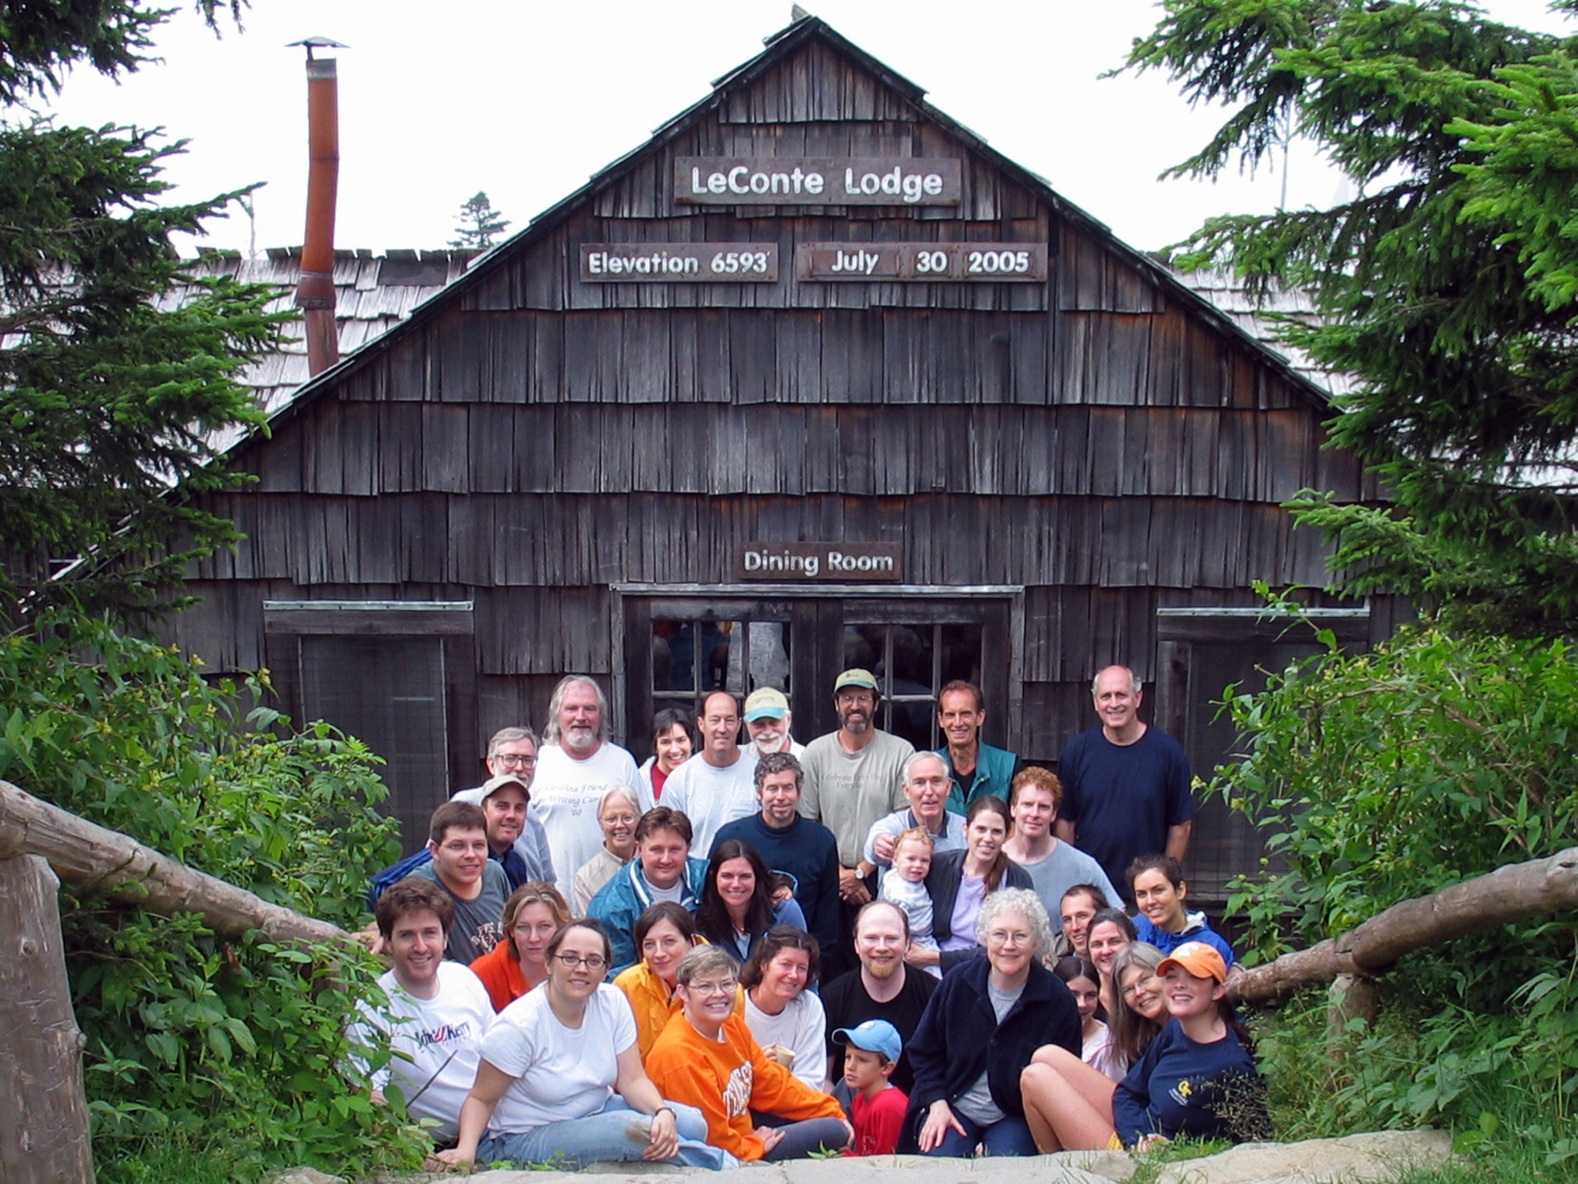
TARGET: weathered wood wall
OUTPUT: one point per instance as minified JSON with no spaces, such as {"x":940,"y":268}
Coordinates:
{"x":1104,"y":439}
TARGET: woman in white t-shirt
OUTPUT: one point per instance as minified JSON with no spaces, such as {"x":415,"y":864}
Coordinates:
{"x":781,"y":1011}
{"x":561,"y":1082}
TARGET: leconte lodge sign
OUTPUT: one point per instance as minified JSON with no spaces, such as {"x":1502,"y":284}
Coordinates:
{"x":779,"y":181}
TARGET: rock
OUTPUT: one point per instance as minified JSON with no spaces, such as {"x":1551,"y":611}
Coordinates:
{"x":306,"y":1175}
{"x":1356,"y":1159}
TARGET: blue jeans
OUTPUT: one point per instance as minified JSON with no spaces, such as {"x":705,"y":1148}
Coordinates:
{"x":615,"y":1133}
{"x":1008,"y":1137}
{"x":812,"y":1134}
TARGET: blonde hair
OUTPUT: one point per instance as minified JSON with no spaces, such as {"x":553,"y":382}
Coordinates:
{"x":915,"y":834}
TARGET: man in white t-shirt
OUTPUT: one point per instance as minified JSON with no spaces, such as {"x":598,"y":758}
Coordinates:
{"x":437,"y":1012}
{"x":718,"y":784}
{"x":576,"y":766}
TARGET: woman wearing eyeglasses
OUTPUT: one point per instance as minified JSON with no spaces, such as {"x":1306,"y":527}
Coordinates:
{"x":707,"y":1056}
{"x":561,"y":1081}
{"x":979,"y":1031}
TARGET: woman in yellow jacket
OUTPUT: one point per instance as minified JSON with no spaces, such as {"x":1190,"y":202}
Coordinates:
{"x":663,"y":933}
{"x":708,"y":1058}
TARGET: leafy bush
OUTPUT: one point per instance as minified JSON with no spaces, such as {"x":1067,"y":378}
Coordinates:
{"x":191,"y":1037}
{"x":1391,"y":775}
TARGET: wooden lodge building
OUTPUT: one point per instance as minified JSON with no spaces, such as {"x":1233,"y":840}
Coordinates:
{"x":812,"y":379}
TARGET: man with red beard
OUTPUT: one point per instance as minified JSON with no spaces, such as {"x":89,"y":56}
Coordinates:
{"x":882,"y":987}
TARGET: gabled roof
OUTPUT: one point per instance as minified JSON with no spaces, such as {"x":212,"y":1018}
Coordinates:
{"x":779,"y":48}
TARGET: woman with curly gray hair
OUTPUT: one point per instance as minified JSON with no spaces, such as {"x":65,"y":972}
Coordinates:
{"x":979,"y":1031}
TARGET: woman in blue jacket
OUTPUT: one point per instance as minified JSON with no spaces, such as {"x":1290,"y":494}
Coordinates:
{"x":979,"y":1031}
{"x":1196,"y":1079}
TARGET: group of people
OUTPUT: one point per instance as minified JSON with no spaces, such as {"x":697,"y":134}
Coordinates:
{"x":882,"y":950}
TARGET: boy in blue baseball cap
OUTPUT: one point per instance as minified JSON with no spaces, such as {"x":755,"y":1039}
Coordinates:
{"x":871,"y":1050}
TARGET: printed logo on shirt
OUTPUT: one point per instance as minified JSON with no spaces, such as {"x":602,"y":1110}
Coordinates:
{"x":487,"y":935}
{"x":1182,"y":1092}
{"x":443,"y":1034}
{"x":737,"y":1093}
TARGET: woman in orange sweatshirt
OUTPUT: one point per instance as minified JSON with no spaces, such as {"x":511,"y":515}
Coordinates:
{"x":707,"y":1058}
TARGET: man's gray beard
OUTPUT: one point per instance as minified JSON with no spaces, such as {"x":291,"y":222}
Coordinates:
{"x":766,"y":747}
{"x":857,"y":728}
{"x":579,"y":739}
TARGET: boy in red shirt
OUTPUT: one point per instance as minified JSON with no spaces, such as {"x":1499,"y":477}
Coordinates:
{"x":877,"y":1105}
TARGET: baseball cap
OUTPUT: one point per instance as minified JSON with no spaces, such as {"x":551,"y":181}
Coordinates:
{"x":876,"y":1036}
{"x":1198,"y":959}
{"x":855,"y":678}
{"x":493,"y":784}
{"x":765,"y":703}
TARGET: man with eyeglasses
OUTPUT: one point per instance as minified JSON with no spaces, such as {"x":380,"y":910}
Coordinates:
{"x":718,"y":784}
{"x":516,"y":840}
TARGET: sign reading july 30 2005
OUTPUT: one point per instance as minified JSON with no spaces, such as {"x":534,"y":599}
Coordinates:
{"x":783,"y":181}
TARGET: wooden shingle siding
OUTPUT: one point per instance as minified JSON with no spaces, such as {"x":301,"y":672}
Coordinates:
{"x":857,"y":355}
{"x":589,"y":537}
{"x":776,"y":448}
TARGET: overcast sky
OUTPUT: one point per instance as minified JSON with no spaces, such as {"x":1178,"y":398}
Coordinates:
{"x":526,"y":100}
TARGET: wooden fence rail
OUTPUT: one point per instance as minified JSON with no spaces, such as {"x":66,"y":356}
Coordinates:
{"x":1509,"y":893}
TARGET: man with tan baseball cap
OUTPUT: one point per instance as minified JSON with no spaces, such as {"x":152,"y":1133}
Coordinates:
{"x":853,"y":777}
{"x":768,"y":720}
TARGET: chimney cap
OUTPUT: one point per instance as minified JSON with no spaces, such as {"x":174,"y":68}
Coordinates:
{"x":317,"y":41}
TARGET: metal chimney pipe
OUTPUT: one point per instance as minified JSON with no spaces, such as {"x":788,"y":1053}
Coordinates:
{"x":315,"y":293}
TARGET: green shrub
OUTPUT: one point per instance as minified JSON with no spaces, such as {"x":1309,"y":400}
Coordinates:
{"x":193,"y":1040}
{"x":1391,"y":775}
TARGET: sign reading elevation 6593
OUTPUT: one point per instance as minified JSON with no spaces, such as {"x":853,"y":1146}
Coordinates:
{"x":779,"y":181}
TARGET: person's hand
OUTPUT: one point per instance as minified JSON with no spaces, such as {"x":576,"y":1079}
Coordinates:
{"x":1150,"y":1143}
{"x":851,"y":888}
{"x":923,"y":958}
{"x":663,"y":1140}
{"x":770,"y":1136}
{"x":882,"y":847}
{"x":371,"y":938}
{"x":783,"y":894}
{"x":938,"y":1121}
{"x":452,"y":1159}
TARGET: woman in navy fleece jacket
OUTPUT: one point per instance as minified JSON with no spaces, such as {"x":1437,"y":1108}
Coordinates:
{"x":981,"y":1028}
{"x":1196,"y":1079}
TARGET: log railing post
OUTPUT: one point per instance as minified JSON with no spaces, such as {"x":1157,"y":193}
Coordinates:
{"x":46,"y":1136}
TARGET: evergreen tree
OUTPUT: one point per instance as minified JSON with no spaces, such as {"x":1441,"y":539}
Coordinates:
{"x":108,"y":401}
{"x":1448,"y":286}
{"x":480,"y":224}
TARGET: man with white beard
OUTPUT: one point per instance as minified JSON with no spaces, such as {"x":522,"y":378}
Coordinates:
{"x":768,"y":719}
{"x":576,"y":767}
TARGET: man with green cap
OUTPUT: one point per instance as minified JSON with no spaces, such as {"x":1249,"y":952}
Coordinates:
{"x":853,"y":777}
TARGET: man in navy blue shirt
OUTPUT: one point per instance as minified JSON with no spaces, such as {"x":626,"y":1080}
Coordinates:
{"x":1125,"y":784}
{"x":794,"y":844}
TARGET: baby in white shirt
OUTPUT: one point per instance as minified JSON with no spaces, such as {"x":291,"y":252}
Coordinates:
{"x":904,"y":884}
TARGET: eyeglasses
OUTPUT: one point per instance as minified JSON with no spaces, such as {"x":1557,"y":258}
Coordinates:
{"x":1003,"y":937}
{"x":725,"y":986}
{"x":509,"y":759}
{"x":591,"y":961}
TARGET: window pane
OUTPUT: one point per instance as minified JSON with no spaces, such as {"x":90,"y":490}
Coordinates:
{"x":389,"y":693}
